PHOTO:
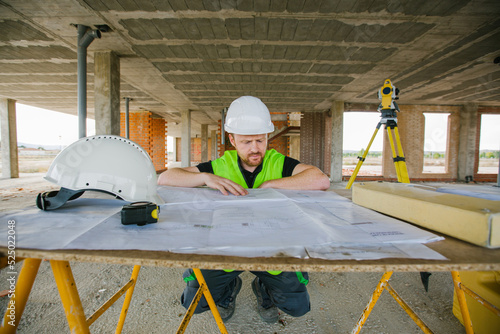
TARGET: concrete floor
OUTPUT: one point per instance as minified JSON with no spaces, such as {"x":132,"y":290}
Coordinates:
{"x":337,"y":298}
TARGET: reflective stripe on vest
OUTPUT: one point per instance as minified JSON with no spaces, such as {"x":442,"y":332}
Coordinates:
{"x":191,"y":277}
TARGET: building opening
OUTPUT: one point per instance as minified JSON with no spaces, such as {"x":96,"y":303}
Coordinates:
{"x":489,"y":144}
{"x":358,"y":130}
{"x":435,"y":142}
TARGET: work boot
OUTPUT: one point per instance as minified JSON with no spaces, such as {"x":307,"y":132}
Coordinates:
{"x":227,"y":312}
{"x":267,"y":310}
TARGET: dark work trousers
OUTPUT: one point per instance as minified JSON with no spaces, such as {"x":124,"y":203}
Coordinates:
{"x":283,"y":290}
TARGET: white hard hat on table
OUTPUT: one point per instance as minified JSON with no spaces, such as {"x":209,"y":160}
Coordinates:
{"x":105,"y":163}
{"x":248,"y":115}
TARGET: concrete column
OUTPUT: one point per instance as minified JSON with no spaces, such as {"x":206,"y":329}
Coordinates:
{"x":186,"y":138}
{"x":213,"y":135}
{"x":10,"y":161}
{"x":467,"y":142}
{"x":337,"y":141}
{"x":295,"y":140}
{"x":498,"y":175}
{"x":107,"y":93}
{"x":173,"y":157}
{"x":204,"y":142}
{"x":177,"y":144}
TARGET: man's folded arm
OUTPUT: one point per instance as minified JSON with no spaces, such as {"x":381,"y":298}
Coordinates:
{"x":304,"y":177}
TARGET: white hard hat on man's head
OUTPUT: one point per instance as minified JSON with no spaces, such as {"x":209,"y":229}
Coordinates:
{"x":248,"y":115}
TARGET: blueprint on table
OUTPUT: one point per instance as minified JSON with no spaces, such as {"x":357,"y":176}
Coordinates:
{"x":266,"y":222}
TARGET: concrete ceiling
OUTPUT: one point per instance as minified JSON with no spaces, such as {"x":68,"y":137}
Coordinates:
{"x":296,"y":55}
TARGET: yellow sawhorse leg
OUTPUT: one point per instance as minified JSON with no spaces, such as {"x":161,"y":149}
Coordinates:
{"x":459,"y":289}
{"x":474,"y":295}
{"x":202,"y":291}
{"x":129,"y":289}
{"x":73,"y":305}
{"x":462,"y":302}
{"x":128,"y":298}
{"x":384,"y":284}
{"x":69,"y":297}
{"x":19,"y":298}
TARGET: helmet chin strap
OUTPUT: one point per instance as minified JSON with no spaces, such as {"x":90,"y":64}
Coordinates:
{"x":51,"y":200}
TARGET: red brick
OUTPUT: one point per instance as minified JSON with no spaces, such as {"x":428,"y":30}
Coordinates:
{"x":149,"y":133}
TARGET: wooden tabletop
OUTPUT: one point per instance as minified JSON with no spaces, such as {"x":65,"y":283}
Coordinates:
{"x":462,"y":256}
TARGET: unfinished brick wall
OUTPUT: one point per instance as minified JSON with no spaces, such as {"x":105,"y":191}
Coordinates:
{"x":148,"y":132}
{"x":227,"y":144}
{"x":158,"y":143}
{"x":315,"y":140}
{"x":282,"y":143}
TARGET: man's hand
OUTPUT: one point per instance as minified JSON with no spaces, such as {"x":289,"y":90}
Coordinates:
{"x":191,"y":177}
{"x":224,"y":185}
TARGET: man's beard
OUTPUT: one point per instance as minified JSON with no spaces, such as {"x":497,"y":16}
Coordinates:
{"x":252,"y":163}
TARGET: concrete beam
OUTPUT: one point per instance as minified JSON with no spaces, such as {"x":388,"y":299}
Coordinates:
{"x":204,"y":142}
{"x":467,"y":142}
{"x":186,"y":138}
{"x":337,"y":111}
{"x":10,"y":161}
{"x":107,"y":93}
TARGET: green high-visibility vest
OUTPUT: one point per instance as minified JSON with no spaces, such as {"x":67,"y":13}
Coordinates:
{"x":227,"y":166}
{"x":272,"y":168}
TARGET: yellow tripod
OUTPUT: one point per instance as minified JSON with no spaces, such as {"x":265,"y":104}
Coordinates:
{"x":388,"y":108}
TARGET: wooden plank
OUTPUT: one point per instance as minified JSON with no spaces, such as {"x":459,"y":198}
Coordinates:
{"x":471,"y":219}
{"x":462,"y":257}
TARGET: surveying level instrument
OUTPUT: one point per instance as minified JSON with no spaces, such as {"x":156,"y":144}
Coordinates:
{"x":388,"y":109}
{"x":387,"y":94}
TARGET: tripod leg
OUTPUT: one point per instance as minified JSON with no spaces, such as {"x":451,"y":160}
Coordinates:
{"x":399,"y":161}
{"x":394,"y":155}
{"x":361,"y":159}
{"x":402,"y":162}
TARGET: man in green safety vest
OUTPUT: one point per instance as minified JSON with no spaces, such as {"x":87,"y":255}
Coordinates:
{"x":251,"y":165}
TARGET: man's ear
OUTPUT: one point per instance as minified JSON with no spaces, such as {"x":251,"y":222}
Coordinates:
{"x":231,"y":139}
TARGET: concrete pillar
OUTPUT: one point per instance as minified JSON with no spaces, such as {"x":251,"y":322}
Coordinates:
{"x":337,"y":112}
{"x":107,"y":93}
{"x":177,"y":145}
{"x":186,"y":138}
{"x":204,"y":142}
{"x":213,"y":136}
{"x":467,"y":142}
{"x":295,"y":140}
{"x":10,"y":160}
